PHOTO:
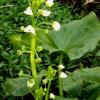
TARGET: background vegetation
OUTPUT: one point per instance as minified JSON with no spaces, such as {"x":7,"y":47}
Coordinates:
{"x":11,"y":63}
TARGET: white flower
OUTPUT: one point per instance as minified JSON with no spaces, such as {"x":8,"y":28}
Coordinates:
{"x":56,"y":26}
{"x":61,"y":66}
{"x":49,"y":3}
{"x":29,"y":29}
{"x":52,"y":96}
{"x":63,"y":75}
{"x":28,"y":11}
{"x":45,"y":13}
{"x":30,"y":83}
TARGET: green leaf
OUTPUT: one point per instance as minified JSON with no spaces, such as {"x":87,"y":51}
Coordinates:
{"x":88,"y":74}
{"x":95,"y":94}
{"x":19,"y":40}
{"x":75,"y":80}
{"x":16,"y":86}
{"x":62,"y":98}
{"x":75,"y":38}
{"x":72,"y":86}
{"x":3,"y":94}
{"x":98,"y":53}
{"x":98,"y":98}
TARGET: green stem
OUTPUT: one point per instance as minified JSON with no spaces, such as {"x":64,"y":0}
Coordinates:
{"x":60,"y":84}
{"x":33,"y":63}
{"x":47,"y":92}
{"x":60,"y":80}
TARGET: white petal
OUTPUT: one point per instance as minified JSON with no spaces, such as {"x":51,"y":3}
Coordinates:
{"x":52,"y":96}
{"x":49,"y":3}
{"x":29,"y":29}
{"x":28,"y":11}
{"x":56,"y":26}
{"x":63,"y":75}
{"x":45,"y":13}
{"x":61,"y":66}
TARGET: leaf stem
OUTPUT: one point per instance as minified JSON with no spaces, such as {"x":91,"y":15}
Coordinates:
{"x":60,"y":80}
{"x":48,"y":88}
{"x":45,"y":23}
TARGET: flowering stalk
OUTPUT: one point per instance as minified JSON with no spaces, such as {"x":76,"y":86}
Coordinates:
{"x":32,"y":56}
{"x":33,"y":64}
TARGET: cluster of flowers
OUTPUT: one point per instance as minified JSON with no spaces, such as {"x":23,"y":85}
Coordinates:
{"x":62,"y":75}
{"x":45,"y":13}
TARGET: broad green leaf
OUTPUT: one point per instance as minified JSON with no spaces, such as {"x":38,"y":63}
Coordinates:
{"x":75,"y":38}
{"x":72,"y":86}
{"x":88,"y":74}
{"x":75,"y":80}
{"x":19,"y":40}
{"x":93,"y":91}
{"x":62,"y":98}
{"x":94,"y":94}
{"x":16,"y":86}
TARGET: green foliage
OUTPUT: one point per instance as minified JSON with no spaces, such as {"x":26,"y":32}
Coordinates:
{"x":16,"y":86}
{"x":74,"y":38}
{"x":87,"y":79}
{"x":61,"y":98}
{"x":82,"y":36}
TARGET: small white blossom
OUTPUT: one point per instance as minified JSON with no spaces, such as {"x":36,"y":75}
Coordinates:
{"x":30,"y":83}
{"x":29,"y":29}
{"x":28,"y":11}
{"x":49,"y":3}
{"x":52,"y":96}
{"x":45,"y":13}
{"x":56,"y":26}
{"x":63,"y":75}
{"x":61,"y":66}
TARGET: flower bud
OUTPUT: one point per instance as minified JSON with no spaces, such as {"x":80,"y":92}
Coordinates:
{"x":38,"y":60}
{"x":22,"y":28}
{"x":61,"y":66}
{"x":39,"y":11}
{"x":44,"y":81}
{"x":19,"y":52}
{"x":21,"y":74}
{"x":45,"y":89}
